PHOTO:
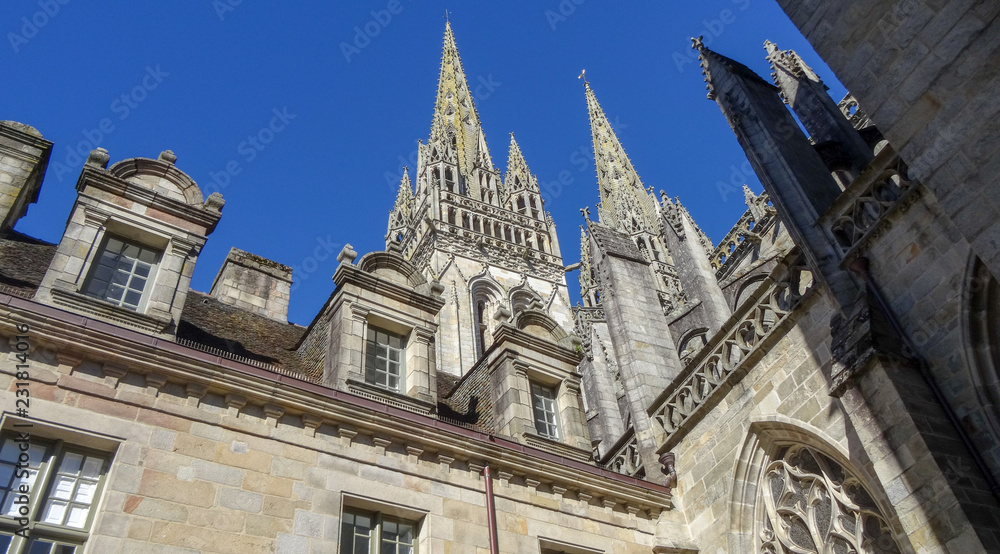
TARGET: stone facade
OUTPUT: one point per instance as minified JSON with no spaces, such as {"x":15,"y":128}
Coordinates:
{"x":824,"y":379}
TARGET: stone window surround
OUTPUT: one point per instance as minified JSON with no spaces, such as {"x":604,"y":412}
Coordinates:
{"x":417,"y":354}
{"x":353,"y":502}
{"x":565,"y":387}
{"x":63,"y":438}
{"x":174,"y":251}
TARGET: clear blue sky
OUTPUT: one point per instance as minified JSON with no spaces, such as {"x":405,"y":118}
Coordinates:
{"x":200,"y":77}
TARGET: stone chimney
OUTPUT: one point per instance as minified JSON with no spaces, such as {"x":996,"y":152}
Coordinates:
{"x":24,"y":155}
{"x":255,"y":284}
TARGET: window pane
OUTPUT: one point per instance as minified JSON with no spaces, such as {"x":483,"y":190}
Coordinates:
{"x":63,"y":487}
{"x":55,"y":512}
{"x":85,"y":492}
{"x":65,"y":549}
{"x":92,"y":467}
{"x":39,"y":546}
{"x":77,"y":516}
{"x":5,"y":541}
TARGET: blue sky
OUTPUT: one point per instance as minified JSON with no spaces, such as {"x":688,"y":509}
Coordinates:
{"x":337,"y":93}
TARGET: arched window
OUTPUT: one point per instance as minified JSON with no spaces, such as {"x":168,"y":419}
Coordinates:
{"x":480,"y":328}
{"x":449,"y":180}
{"x":809,"y":502}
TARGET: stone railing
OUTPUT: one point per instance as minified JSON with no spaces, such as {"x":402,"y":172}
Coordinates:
{"x":861,"y":212}
{"x":733,"y":348}
{"x":626,"y":460}
{"x":743,"y":233}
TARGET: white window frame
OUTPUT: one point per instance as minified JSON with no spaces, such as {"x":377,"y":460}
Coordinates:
{"x":46,"y":459}
{"x":93,"y":280}
{"x":377,"y":531}
{"x":545,"y":410}
{"x":374,"y":355}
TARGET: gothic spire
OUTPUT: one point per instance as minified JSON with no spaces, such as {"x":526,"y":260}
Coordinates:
{"x":625,"y":204}
{"x":402,"y":210}
{"x":518,"y":175}
{"x":790,"y":62}
{"x":456,"y":128}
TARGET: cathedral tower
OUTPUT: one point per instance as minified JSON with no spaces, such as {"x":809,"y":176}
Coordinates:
{"x":487,"y":239}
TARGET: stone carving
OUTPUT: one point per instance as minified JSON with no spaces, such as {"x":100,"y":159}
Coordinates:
{"x":626,"y":460}
{"x":812,"y":504}
{"x":740,"y":337}
{"x":864,"y":215}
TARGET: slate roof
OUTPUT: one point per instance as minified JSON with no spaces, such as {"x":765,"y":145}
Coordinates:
{"x":208,"y":321}
{"x":23,"y":261}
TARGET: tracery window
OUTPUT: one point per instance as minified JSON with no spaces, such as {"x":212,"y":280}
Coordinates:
{"x":810,"y":504}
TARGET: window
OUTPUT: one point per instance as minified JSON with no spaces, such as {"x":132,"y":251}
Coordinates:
{"x":62,"y":484}
{"x":543,"y":404}
{"x":384,"y":353}
{"x":121,"y":273}
{"x":374,"y":533}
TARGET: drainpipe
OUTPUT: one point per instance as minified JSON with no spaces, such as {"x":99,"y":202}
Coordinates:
{"x":861,"y":266}
{"x":491,"y":516}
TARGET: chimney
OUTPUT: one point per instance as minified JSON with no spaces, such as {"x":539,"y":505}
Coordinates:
{"x":255,"y":284}
{"x":24,"y":155}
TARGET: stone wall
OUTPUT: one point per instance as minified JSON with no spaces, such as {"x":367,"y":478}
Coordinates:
{"x":254,"y":284}
{"x":212,"y":464}
{"x":926,"y":73}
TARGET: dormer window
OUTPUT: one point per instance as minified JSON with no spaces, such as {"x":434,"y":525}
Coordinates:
{"x":122,"y":273}
{"x":543,"y":404}
{"x":384,"y":354}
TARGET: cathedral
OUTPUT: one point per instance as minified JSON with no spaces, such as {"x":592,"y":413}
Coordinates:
{"x":824,"y":379}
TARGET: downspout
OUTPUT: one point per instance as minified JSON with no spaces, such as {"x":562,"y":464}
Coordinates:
{"x":861,"y":266}
{"x":491,"y":516}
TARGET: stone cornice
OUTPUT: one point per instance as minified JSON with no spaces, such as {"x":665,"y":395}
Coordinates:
{"x":349,"y":274}
{"x":102,"y":180}
{"x":143,"y":354}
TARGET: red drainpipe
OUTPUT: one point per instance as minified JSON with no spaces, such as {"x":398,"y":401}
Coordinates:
{"x":491,"y":519}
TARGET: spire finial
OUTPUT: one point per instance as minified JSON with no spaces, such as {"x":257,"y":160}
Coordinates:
{"x":583,"y":75}
{"x":586,"y":213}
{"x":447,"y":20}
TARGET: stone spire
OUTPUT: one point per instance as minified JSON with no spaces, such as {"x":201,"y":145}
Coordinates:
{"x":456,"y":132}
{"x":625,"y":204}
{"x":789,"y":62}
{"x":402,"y":210}
{"x":518,"y":177}
{"x":588,"y":285}
{"x":801,"y":88}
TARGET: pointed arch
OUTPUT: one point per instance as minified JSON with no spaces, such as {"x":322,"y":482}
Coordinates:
{"x":486,"y":296}
{"x":982,"y":348}
{"x":792,"y":483}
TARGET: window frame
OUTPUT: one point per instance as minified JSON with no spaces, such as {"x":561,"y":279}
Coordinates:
{"x":39,"y":496}
{"x":549,"y":395}
{"x":371,"y":357}
{"x":95,"y":266}
{"x":375,"y":537}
